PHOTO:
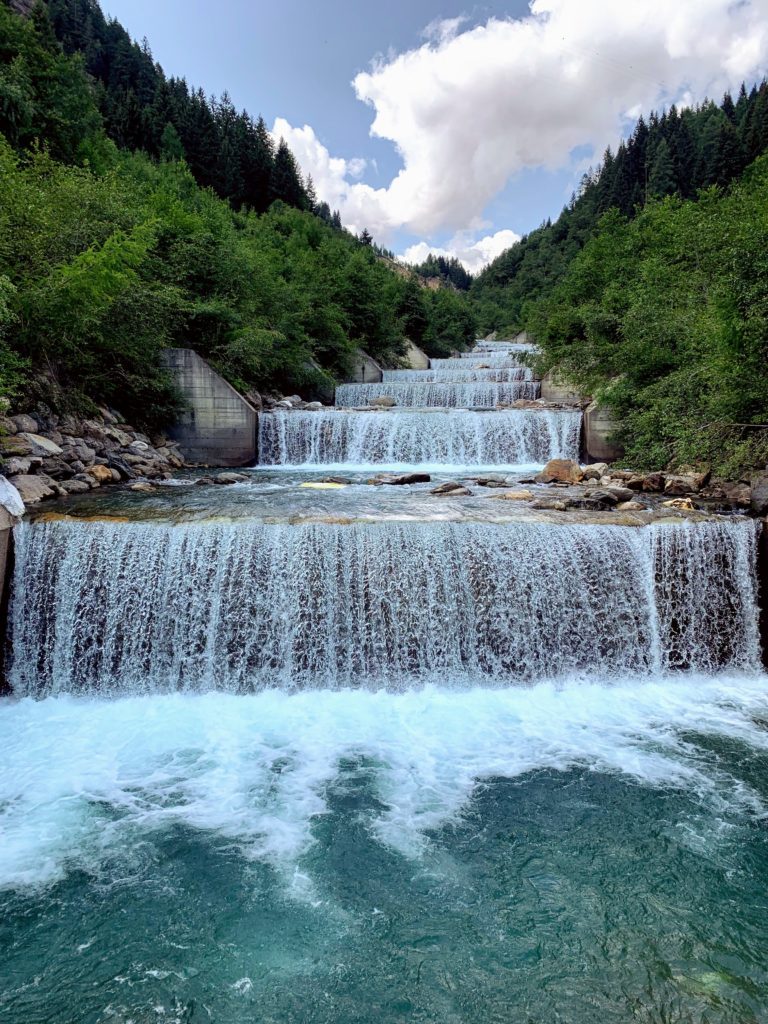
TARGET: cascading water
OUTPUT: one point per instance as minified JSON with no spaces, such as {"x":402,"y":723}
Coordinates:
{"x":405,"y":764}
{"x":449,"y":438}
{"x":243,"y":607}
{"x":447,"y":395}
{"x":460,"y":371}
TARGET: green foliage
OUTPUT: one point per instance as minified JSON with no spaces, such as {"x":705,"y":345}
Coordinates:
{"x":677,"y":153}
{"x":665,"y":318}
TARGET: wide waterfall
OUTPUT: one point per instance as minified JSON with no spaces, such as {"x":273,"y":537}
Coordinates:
{"x":491,"y":360}
{"x":447,"y":395}
{"x":140,"y":608}
{"x":461,"y":371}
{"x":456,"y":438}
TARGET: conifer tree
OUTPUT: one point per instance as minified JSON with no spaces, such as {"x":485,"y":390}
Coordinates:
{"x":661,"y":178}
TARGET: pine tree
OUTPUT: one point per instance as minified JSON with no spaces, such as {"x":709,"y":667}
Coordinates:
{"x":365,"y":237}
{"x":286,"y":178}
{"x":170,"y":144}
{"x":309,"y":188}
{"x":661,"y":178}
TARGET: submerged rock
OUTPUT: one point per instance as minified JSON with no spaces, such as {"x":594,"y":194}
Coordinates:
{"x":450,"y":487}
{"x":142,"y":488}
{"x":402,"y":478}
{"x":230,"y":478}
{"x":521,"y":495}
{"x":383,"y":402}
{"x":684,"y":504}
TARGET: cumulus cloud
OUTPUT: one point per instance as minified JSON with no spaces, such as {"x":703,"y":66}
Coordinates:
{"x":473,"y":254}
{"x":472,"y":106}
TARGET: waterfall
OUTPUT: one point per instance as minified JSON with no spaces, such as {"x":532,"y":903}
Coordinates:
{"x":455,"y":438}
{"x":460,"y":371}
{"x":140,"y":608}
{"x":447,"y":395}
{"x":473,"y":358}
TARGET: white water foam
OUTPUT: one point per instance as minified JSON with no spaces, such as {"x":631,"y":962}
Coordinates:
{"x":85,"y":780}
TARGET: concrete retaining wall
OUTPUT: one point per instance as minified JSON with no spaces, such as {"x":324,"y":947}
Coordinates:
{"x":219,"y":427}
{"x":554,"y":389}
{"x":364,"y":369}
{"x":599,"y":426}
{"x":415,"y":358}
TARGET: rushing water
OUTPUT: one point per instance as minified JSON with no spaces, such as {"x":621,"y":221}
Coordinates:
{"x":445,"y":394}
{"x":241,"y":607}
{"x":431,"y":760}
{"x":460,"y":371}
{"x":455,"y":438}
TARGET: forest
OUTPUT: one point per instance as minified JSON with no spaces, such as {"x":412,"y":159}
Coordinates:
{"x":135,"y":213}
{"x":650,"y":291}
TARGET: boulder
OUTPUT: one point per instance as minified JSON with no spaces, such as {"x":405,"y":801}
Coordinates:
{"x":230,"y":478}
{"x":550,"y":505}
{"x":118,"y":436}
{"x":57,"y":468}
{"x":100,"y":474}
{"x":622,"y":493}
{"x":25,"y":424}
{"x":16,"y":466}
{"x":521,"y":495}
{"x":402,"y":478}
{"x":595,"y":471}
{"x":739,"y":495}
{"x":653,"y":482}
{"x":759,"y":497}
{"x":630,"y":506}
{"x":683,"y":484}
{"x":449,"y":487}
{"x":75,"y":486}
{"x":7,"y":426}
{"x":383,"y":402}
{"x":143,"y":488}
{"x":685,"y":504}
{"x":343,"y":480}
{"x":604,"y":495}
{"x":313,"y":406}
{"x":561,"y":471}
{"x":39,"y":445}
{"x":32,"y":488}
{"x":491,"y":481}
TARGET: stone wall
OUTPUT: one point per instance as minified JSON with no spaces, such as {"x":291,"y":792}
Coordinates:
{"x":219,"y":427}
{"x":415,"y":359}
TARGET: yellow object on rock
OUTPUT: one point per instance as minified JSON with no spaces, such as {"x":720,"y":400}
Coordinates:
{"x":323,"y":486}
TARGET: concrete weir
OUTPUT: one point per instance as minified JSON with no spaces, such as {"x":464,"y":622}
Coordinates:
{"x":219,"y":427}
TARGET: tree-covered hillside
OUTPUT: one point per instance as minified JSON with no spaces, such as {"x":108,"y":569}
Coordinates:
{"x":677,"y":153}
{"x":111,"y":249}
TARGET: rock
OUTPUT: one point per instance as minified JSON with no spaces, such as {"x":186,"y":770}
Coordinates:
{"x":10,"y":499}
{"x":203,"y":481}
{"x":739,"y":495}
{"x":521,"y":495}
{"x":595,"y":471}
{"x":121,"y":467}
{"x":32,"y":488}
{"x":548,"y":504}
{"x":7,"y":426}
{"x":680,"y":485}
{"x":57,"y":468}
{"x":383,"y":402}
{"x":25,"y":424}
{"x":39,"y":445}
{"x":604,"y":495}
{"x":402,"y":478}
{"x":283,"y":404}
{"x":100,"y":474}
{"x":335,"y":480}
{"x":138,"y":447}
{"x":759,"y":497}
{"x":491,"y":481}
{"x":75,"y":486}
{"x":654,"y":482}
{"x":93,"y":429}
{"x":630,"y":506}
{"x":143,"y":488}
{"x":448,"y":487}
{"x":230,"y":478}
{"x":684,"y":504}
{"x":313,"y":406}
{"x":16,"y":466}
{"x":561,"y":471}
{"x":622,"y":493}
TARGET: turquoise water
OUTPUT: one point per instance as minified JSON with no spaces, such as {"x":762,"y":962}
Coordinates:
{"x":578,"y":853}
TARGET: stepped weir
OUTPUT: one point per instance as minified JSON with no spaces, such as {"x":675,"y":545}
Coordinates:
{"x":353,"y":747}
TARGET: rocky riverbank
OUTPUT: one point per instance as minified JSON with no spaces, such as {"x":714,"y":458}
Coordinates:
{"x":47,"y":457}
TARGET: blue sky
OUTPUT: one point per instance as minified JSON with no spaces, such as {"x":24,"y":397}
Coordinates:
{"x":484,"y":123}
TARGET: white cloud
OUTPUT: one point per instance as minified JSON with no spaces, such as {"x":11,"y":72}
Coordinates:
{"x":469,"y":109}
{"x":474,"y":255}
